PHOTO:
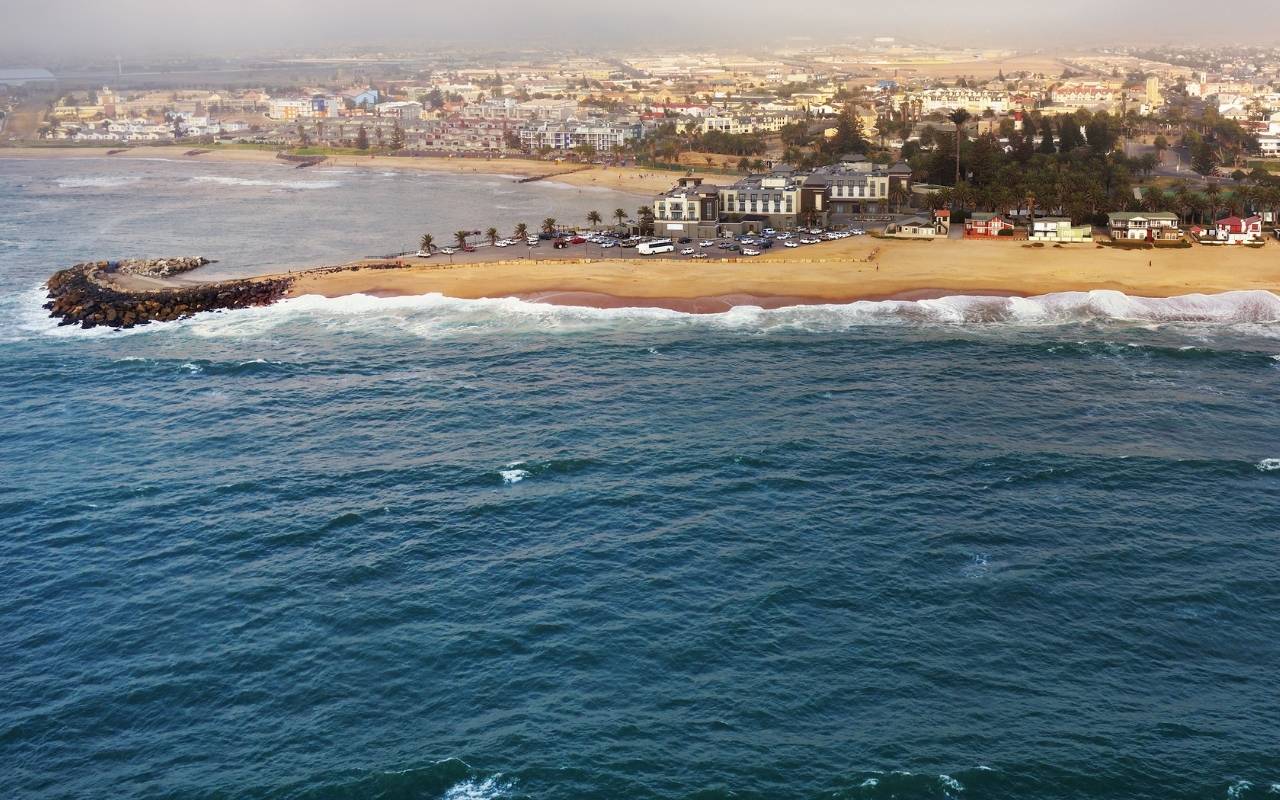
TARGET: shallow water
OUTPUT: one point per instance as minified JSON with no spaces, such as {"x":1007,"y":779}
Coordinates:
{"x":427,"y":548}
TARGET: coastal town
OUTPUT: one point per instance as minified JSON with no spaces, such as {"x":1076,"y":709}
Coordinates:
{"x":1154,"y":147}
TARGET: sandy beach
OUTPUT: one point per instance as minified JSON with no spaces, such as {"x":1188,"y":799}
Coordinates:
{"x":842,"y":271}
{"x":623,"y":179}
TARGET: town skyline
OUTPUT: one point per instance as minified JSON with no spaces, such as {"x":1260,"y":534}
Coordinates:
{"x":148,"y":28}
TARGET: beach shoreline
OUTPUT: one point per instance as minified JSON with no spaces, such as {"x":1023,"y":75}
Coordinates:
{"x":836,"y":272}
{"x":638,"y":181}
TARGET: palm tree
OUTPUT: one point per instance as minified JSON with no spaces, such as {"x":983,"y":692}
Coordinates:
{"x":461,"y":236}
{"x":549,"y":225}
{"x":1213,"y":191}
{"x":620,"y":214}
{"x":492,"y":235}
{"x":594,"y":218}
{"x":522,"y":231}
{"x":959,"y":117}
{"x":426,"y":243}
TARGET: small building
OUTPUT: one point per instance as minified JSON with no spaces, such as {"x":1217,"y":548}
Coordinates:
{"x":1059,"y":229}
{"x":914,"y":228}
{"x":1141,"y":226}
{"x":1234,"y":230}
{"x":986,"y":225}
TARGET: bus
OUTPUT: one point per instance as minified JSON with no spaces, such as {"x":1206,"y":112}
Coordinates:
{"x":656,"y":246}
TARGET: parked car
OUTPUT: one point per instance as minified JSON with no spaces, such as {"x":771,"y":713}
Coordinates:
{"x":699,"y":255}
{"x":688,"y":251}
{"x":747,"y":251}
{"x":706,"y":243}
{"x":857,"y":232}
{"x":469,"y":249}
{"x":577,"y":240}
{"x":769,"y":231}
{"x":608,"y":244}
{"x":790,"y":244}
{"x":448,"y":251}
{"x":683,"y":240}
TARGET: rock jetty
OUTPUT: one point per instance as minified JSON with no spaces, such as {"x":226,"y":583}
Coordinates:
{"x":84,"y":294}
{"x":159,"y":267}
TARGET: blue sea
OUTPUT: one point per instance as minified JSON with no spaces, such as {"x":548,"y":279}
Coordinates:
{"x":433,"y":549}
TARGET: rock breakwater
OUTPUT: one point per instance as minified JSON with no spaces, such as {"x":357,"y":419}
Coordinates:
{"x":84,"y":295}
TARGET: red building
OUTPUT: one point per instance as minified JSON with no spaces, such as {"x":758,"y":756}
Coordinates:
{"x":986,"y":225}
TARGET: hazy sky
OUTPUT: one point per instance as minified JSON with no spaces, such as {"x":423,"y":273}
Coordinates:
{"x":39,"y":28}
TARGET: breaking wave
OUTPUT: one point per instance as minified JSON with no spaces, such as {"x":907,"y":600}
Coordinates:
{"x":97,"y":183}
{"x":223,"y":180}
{"x":434,"y":315}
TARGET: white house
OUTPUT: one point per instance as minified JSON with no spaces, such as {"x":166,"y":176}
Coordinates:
{"x":1059,"y":229}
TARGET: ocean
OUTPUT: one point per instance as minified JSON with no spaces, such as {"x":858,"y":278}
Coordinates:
{"x":403,"y":548}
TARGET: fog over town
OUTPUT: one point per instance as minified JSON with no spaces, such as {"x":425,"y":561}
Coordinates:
{"x":149,"y":26}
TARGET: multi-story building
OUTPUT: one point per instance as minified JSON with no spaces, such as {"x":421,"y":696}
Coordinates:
{"x":1059,"y":229}
{"x":783,"y":198}
{"x":603,"y":137}
{"x":1144,"y":226}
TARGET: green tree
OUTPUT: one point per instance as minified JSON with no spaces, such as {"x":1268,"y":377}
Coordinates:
{"x":549,"y":225}
{"x":397,"y":137}
{"x":620,"y":215}
{"x":426,"y":243}
{"x":594,"y":218}
{"x":461,"y":238}
{"x":522,"y":231}
{"x":362,"y":138}
{"x":492,"y":235}
{"x":958,"y":118}
{"x":1203,"y":160}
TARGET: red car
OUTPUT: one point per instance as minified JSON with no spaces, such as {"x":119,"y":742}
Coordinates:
{"x":468,"y":249}
{"x":577,"y":240}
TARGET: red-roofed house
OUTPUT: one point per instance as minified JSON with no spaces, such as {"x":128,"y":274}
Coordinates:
{"x":1238,"y":230}
{"x":986,"y":225}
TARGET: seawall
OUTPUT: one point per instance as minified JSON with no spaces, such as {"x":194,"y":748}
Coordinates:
{"x":83,"y":295}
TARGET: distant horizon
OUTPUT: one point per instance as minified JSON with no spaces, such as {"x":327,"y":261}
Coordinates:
{"x":62,"y":31}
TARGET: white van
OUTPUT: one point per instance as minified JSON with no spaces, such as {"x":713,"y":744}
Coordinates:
{"x":656,"y":246}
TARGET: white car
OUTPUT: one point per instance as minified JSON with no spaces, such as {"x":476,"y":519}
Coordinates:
{"x":448,"y":251}
{"x":699,"y":255}
{"x":790,"y":244}
{"x":747,"y":251}
{"x":857,"y":232}
{"x":422,"y":254}
{"x":608,"y":244}
{"x":688,"y":251}
{"x":706,"y":243}
{"x":782,"y":237}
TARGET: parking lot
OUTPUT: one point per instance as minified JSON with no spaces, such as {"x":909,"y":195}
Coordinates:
{"x":595,"y":245}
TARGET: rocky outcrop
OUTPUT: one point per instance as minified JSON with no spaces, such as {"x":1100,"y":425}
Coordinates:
{"x":158,"y":267}
{"x":83,"y":295}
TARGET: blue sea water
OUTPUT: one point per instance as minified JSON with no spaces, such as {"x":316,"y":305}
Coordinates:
{"x":439,"y":549}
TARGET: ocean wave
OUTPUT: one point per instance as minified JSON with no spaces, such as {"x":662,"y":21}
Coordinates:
{"x":435,"y":313}
{"x":478,"y":789}
{"x":223,"y":180}
{"x":434,"y":316}
{"x":101,"y":182}
{"x":1269,"y":465}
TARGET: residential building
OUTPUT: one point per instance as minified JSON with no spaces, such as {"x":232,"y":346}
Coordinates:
{"x":1059,"y":229}
{"x":691,"y":208}
{"x":1234,"y":230}
{"x":602,"y":136}
{"x":914,"y":228}
{"x":1144,"y":226}
{"x":986,"y":225}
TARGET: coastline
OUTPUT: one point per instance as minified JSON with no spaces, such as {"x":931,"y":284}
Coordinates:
{"x":638,"y":181}
{"x":837,"y":272}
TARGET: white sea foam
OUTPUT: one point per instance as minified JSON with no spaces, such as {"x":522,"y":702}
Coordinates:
{"x":1238,"y":788}
{"x":435,"y":316}
{"x":513,"y":475}
{"x":101,"y":182}
{"x":950,"y":783}
{"x":869,"y":783}
{"x":257,"y":182}
{"x":472,"y":789}
{"x":1269,"y":465}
